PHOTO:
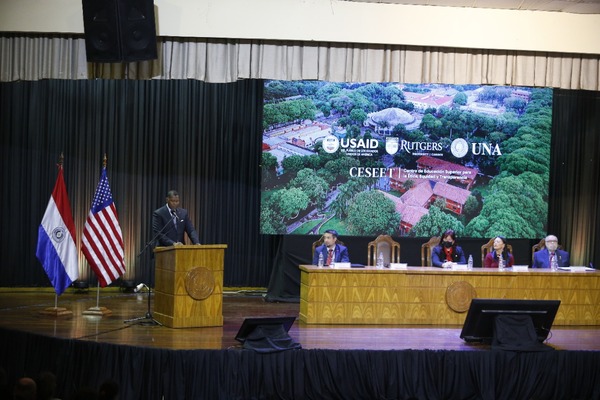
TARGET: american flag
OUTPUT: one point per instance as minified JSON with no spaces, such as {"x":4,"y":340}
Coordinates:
{"x":102,"y":242}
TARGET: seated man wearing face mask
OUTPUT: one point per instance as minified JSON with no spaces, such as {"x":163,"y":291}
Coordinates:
{"x":543,"y":258}
{"x":447,"y":251}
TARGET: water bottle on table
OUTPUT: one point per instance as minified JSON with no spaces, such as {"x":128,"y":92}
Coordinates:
{"x":321,"y":262}
{"x":554,"y":263}
{"x":380,"y":261}
{"x":470,"y":263}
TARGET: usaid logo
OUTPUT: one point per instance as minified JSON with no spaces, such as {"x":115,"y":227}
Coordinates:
{"x":359,"y":143}
{"x":331,"y":144}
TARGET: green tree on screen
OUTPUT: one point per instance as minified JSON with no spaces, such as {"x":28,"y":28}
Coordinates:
{"x":268,"y":166}
{"x":436,"y":221}
{"x":460,"y":99}
{"x":272,"y":115}
{"x":472,"y":207}
{"x":310,"y":183}
{"x":504,"y":212}
{"x":430,"y":125}
{"x":371,"y":213}
{"x":271,"y":222}
{"x":358,"y":116}
{"x":289,"y":202}
{"x":292,"y":164}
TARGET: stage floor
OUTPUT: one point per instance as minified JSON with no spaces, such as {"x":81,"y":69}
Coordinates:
{"x":20,"y":310}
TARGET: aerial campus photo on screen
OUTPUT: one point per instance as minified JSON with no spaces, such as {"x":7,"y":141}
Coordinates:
{"x":405,"y":159}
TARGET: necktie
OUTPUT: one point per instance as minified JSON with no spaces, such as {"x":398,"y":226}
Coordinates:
{"x":551,"y":259}
{"x":329,"y":257}
{"x":174,"y":217}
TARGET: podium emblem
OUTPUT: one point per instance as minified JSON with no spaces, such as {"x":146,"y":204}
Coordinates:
{"x":199,"y":283}
{"x":459,"y":296}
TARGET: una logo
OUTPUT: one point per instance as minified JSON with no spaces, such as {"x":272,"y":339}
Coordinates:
{"x":391,"y":145}
{"x":331,"y":144}
{"x":459,"y":148}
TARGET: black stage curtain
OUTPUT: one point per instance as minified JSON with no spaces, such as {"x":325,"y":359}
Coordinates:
{"x":147,"y":373}
{"x":574,"y":204}
{"x":198,"y":138}
{"x":205,"y":141}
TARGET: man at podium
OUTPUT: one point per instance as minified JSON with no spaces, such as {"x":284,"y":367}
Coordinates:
{"x":170,"y":223}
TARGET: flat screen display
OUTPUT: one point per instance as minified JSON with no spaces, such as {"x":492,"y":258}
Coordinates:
{"x":250,"y":324}
{"x":405,"y":159}
{"x":479,"y":323}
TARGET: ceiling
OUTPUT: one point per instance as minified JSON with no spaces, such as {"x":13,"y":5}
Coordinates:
{"x":567,"y":6}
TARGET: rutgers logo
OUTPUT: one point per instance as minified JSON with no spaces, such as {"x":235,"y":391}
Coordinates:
{"x":391,"y":145}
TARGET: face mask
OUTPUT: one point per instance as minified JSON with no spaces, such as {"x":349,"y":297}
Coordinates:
{"x":446,"y":244}
{"x":552,"y":246}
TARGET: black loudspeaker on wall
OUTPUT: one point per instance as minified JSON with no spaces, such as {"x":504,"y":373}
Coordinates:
{"x":119,"y":30}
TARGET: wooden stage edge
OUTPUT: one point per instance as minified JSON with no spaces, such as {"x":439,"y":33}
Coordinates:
{"x":20,"y":309}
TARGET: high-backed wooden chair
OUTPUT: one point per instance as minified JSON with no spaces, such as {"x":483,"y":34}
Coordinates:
{"x":488,"y":247}
{"x":316,"y":244}
{"x":426,"y":250}
{"x":387,"y":246}
{"x":539,"y":246}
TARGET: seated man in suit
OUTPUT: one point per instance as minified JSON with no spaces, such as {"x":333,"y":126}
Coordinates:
{"x":543,"y":258}
{"x":170,"y":223}
{"x":331,"y":250}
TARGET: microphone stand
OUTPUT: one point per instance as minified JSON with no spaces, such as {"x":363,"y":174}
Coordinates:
{"x":167,"y":225}
{"x":147,"y":319}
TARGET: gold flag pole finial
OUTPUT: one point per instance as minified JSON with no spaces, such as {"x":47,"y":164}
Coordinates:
{"x":104,"y":161}
{"x":61,"y":159}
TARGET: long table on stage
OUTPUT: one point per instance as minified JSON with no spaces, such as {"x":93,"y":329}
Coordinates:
{"x":431,"y":296}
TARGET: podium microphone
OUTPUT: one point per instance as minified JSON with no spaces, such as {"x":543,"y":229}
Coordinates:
{"x":139,"y":287}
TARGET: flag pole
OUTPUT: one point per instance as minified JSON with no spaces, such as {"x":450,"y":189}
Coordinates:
{"x":57,"y":311}
{"x":97,"y":310}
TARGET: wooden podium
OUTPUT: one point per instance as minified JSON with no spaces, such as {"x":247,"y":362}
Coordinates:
{"x":188,"y":288}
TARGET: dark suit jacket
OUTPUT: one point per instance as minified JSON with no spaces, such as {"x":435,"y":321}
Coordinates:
{"x":438,"y":256}
{"x":340,"y":254}
{"x":541,"y":258}
{"x":167,"y":233}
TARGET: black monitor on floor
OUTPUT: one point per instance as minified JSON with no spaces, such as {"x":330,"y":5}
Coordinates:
{"x":479,"y":324}
{"x":250,"y":324}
